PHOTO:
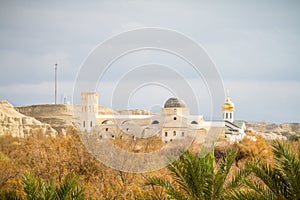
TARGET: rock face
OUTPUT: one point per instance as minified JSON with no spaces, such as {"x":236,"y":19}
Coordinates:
{"x":59,"y":116}
{"x":19,"y":125}
{"x":274,"y":131}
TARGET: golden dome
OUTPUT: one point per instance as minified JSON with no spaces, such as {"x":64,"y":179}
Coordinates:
{"x":228,"y":105}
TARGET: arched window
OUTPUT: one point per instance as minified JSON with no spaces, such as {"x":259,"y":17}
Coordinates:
{"x":166,"y":134}
{"x":174,"y":133}
{"x":194,"y":122}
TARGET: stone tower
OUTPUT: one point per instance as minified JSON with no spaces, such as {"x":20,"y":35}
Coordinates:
{"x":228,"y":109}
{"x":89,"y":110}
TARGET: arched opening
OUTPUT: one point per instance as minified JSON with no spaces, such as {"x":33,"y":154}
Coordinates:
{"x":194,"y":122}
{"x":126,"y":121}
{"x":175,"y":118}
{"x":155,"y":122}
{"x":107,"y":122}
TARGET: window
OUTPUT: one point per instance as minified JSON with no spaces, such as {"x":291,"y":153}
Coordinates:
{"x":155,"y":122}
{"x":174,"y":133}
{"x":226,"y":115}
{"x":174,"y":118}
{"x":106,"y":129}
{"x":166,"y":134}
{"x":91,"y":124}
{"x":100,"y":136}
{"x":230,"y":115}
{"x":175,"y":111}
{"x":182,"y":134}
{"x":83,"y":123}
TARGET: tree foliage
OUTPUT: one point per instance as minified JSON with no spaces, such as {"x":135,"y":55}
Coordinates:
{"x":196,"y":178}
{"x":280,"y":181}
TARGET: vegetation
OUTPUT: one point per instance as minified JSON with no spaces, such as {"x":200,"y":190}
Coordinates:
{"x":41,"y":167}
{"x":34,"y":188}
{"x":280,"y":181}
{"x":195,"y":177}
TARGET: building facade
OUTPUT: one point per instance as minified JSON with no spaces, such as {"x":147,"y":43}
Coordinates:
{"x":174,"y":122}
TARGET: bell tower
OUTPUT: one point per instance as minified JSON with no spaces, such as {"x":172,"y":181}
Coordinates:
{"x":228,"y":110}
{"x":89,"y":110}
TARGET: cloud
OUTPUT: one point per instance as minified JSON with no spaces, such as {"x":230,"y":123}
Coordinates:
{"x":255,"y":46}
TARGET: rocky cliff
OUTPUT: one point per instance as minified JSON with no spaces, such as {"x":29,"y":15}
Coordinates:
{"x":19,"y":125}
{"x":274,"y":131}
{"x":59,"y":116}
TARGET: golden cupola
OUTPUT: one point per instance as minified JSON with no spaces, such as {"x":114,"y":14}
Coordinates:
{"x":228,"y":105}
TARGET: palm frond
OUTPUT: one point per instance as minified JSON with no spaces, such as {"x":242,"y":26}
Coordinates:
{"x":223,"y":170}
{"x":271,"y":178}
{"x":32,"y":186}
{"x":288,"y":166}
{"x":260,"y":190}
{"x":70,"y":188}
{"x":9,"y":195}
{"x":244,"y":195}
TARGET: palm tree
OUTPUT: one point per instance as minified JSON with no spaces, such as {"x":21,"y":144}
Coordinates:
{"x":68,"y":189}
{"x":281,"y":181}
{"x":195,"y":177}
{"x":9,"y":195}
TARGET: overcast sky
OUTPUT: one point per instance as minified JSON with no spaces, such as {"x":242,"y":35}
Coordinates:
{"x":255,"y":45}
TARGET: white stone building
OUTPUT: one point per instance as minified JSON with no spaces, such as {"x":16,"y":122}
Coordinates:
{"x":172,"y":123}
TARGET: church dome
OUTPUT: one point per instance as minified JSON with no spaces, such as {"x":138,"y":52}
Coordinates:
{"x":174,"y":103}
{"x":228,"y":105}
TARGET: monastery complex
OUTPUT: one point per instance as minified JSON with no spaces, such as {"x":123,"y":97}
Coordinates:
{"x":174,"y":122}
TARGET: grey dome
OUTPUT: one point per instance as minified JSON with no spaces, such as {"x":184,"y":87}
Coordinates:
{"x":174,"y":103}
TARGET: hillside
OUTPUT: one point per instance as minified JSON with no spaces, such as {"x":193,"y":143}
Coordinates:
{"x":60,"y":117}
{"x":19,"y":125}
{"x":273,"y":131}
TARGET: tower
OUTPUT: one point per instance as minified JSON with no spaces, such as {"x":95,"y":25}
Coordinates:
{"x":89,"y":110}
{"x":228,"y":109}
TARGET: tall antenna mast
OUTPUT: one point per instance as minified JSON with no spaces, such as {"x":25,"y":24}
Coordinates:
{"x":55,"y":90}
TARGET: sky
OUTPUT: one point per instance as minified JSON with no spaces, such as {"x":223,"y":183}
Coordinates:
{"x":255,"y":46}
